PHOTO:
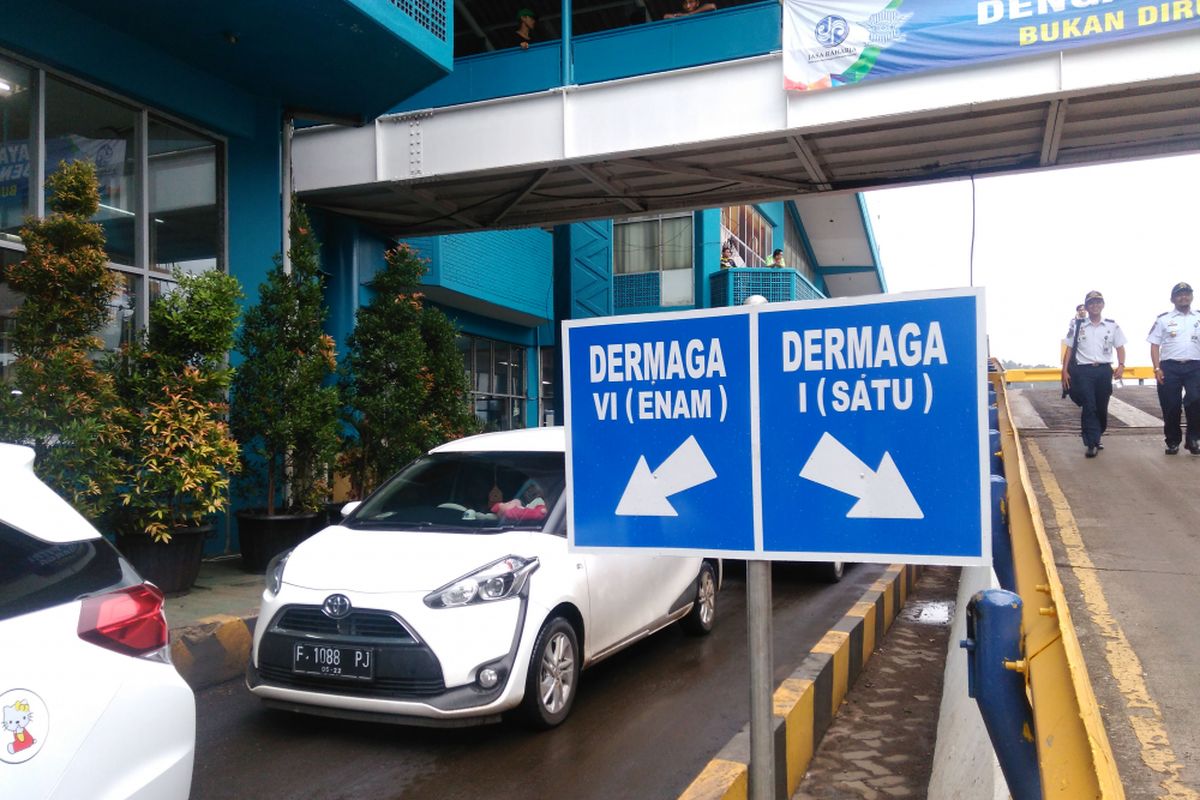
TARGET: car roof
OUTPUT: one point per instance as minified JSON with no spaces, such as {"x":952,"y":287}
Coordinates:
{"x":31,"y":506}
{"x":523,"y":440}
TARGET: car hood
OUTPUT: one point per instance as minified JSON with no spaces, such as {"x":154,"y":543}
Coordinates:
{"x":342,"y":559}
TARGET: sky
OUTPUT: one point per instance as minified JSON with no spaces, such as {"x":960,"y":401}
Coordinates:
{"x":1043,"y":240}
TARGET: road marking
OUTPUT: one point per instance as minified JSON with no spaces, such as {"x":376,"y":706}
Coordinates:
{"x":1024,"y":416}
{"x":1144,"y":715}
{"x":1131,"y":416}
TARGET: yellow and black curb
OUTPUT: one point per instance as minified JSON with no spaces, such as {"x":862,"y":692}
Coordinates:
{"x":212,"y":650}
{"x":806,"y":702}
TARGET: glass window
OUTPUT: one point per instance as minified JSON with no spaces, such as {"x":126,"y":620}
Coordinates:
{"x":498,"y":381}
{"x":467,"y":491}
{"x":122,"y":312}
{"x":662,"y":245}
{"x":183,"y":209}
{"x":635,"y":247}
{"x":185,"y":218}
{"x":548,"y":357}
{"x":748,"y":233}
{"x":82,"y":125}
{"x":10,"y":301}
{"x":652,"y":245}
{"x":16,"y":112}
{"x":35,"y":574}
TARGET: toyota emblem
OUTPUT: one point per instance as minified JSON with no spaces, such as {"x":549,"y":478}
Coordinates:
{"x":336,"y":606}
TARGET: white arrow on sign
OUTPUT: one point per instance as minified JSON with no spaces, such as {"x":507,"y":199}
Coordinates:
{"x":647,"y":492}
{"x":882,"y":493}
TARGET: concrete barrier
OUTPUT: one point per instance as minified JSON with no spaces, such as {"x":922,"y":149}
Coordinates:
{"x":213,"y":650}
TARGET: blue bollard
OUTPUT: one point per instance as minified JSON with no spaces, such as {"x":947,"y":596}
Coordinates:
{"x":993,"y":417}
{"x":993,"y":638}
{"x":1002,"y":554}
{"x":996,"y":452}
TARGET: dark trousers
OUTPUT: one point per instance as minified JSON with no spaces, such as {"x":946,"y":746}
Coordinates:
{"x":1091,"y":387}
{"x":1180,"y":389}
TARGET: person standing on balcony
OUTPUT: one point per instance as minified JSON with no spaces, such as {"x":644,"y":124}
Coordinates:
{"x":726,"y":256}
{"x":1087,"y":371}
{"x":526,"y":22}
{"x":692,"y":7}
{"x":777,"y":260}
{"x":1175,"y":352}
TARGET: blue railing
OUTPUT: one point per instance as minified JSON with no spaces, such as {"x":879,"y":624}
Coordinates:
{"x":708,"y":38}
{"x":731,"y":287}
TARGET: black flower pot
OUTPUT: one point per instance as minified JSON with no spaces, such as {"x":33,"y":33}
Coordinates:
{"x":171,"y":566}
{"x":264,"y":536}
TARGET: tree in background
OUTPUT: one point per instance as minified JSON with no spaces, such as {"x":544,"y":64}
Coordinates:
{"x":403,"y":382}
{"x":284,"y":414}
{"x":67,"y":408}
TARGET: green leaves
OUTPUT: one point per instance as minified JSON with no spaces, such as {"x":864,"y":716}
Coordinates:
{"x":403,"y":381}
{"x":282,"y":408}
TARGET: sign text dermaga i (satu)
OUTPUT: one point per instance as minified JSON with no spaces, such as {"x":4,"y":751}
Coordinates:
{"x":814,"y":350}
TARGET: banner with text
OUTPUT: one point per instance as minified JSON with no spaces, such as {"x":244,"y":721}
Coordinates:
{"x":830,"y":43}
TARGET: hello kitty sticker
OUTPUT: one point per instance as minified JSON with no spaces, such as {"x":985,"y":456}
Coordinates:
{"x":23,"y":725}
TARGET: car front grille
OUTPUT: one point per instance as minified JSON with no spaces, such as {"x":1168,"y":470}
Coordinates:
{"x":360,"y":623}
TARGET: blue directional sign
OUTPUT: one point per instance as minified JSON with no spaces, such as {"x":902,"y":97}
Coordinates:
{"x":872,"y":429}
{"x":849,"y":430}
{"x":658,"y":421}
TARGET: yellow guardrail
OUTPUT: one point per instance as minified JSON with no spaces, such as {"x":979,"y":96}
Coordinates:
{"x":1074,"y":754}
{"x":1037,"y":374}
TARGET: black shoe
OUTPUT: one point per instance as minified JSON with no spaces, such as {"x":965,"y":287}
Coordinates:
{"x":1091,"y":451}
{"x":1193,"y":448}
{"x":1172,"y":449}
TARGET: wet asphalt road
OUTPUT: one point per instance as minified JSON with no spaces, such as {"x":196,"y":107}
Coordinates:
{"x":645,"y":723}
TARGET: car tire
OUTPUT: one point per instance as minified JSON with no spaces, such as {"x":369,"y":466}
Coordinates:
{"x":699,"y":621}
{"x":553,"y":676}
{"x":830,"y":571}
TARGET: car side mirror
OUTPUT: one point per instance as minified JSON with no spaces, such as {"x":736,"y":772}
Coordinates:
{"x":348,"y":509}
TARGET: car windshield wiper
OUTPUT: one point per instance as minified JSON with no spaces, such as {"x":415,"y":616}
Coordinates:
{"x":390,"y":523}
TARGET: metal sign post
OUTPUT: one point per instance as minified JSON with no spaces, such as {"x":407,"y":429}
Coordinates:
{"x":762,"y":669}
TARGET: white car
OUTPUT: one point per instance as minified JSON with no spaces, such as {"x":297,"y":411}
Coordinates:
{"x":90,"y":705}
{"x":448,"y":597}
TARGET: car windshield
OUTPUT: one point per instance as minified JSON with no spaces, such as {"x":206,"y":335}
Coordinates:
{"x":483,"y":492}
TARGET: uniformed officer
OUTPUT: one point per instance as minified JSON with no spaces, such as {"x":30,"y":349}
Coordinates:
{"x":1087,"y":368}
{"x":1175,"y":352}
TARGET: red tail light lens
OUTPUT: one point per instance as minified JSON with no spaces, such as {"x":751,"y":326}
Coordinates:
{"x":129,"y":620}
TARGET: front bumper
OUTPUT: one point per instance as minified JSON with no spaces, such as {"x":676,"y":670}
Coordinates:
{"x":426,"y":660}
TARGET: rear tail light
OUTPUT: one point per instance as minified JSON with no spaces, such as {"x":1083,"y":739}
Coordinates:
{"x":129,"y":620}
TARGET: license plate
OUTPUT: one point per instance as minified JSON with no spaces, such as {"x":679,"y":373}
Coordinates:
{"x":355,"y":663}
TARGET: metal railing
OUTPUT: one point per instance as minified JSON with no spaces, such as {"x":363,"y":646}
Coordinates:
{"x":1039,"y":374}
{"x":1074,"y":755}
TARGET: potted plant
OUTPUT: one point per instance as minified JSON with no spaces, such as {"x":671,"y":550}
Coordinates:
{"x":62,"y":404}
{"x":403,"y":383}
{"x":173,"y":382}
{"x":285,"y":404}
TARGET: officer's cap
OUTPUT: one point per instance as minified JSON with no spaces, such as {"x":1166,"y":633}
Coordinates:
{"x":1093,"y":295}
{"x":1180,"y":288}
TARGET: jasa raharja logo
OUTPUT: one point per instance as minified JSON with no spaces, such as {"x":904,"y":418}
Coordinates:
{"x":831,"y":31}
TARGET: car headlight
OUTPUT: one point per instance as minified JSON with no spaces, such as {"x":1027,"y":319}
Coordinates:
{"x":495,"y":581}
{"x":274,"y":573}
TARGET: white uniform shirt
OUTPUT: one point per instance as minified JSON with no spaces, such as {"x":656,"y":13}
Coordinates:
{"x":1177,"y":334}
{"x":1096,"y":341}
